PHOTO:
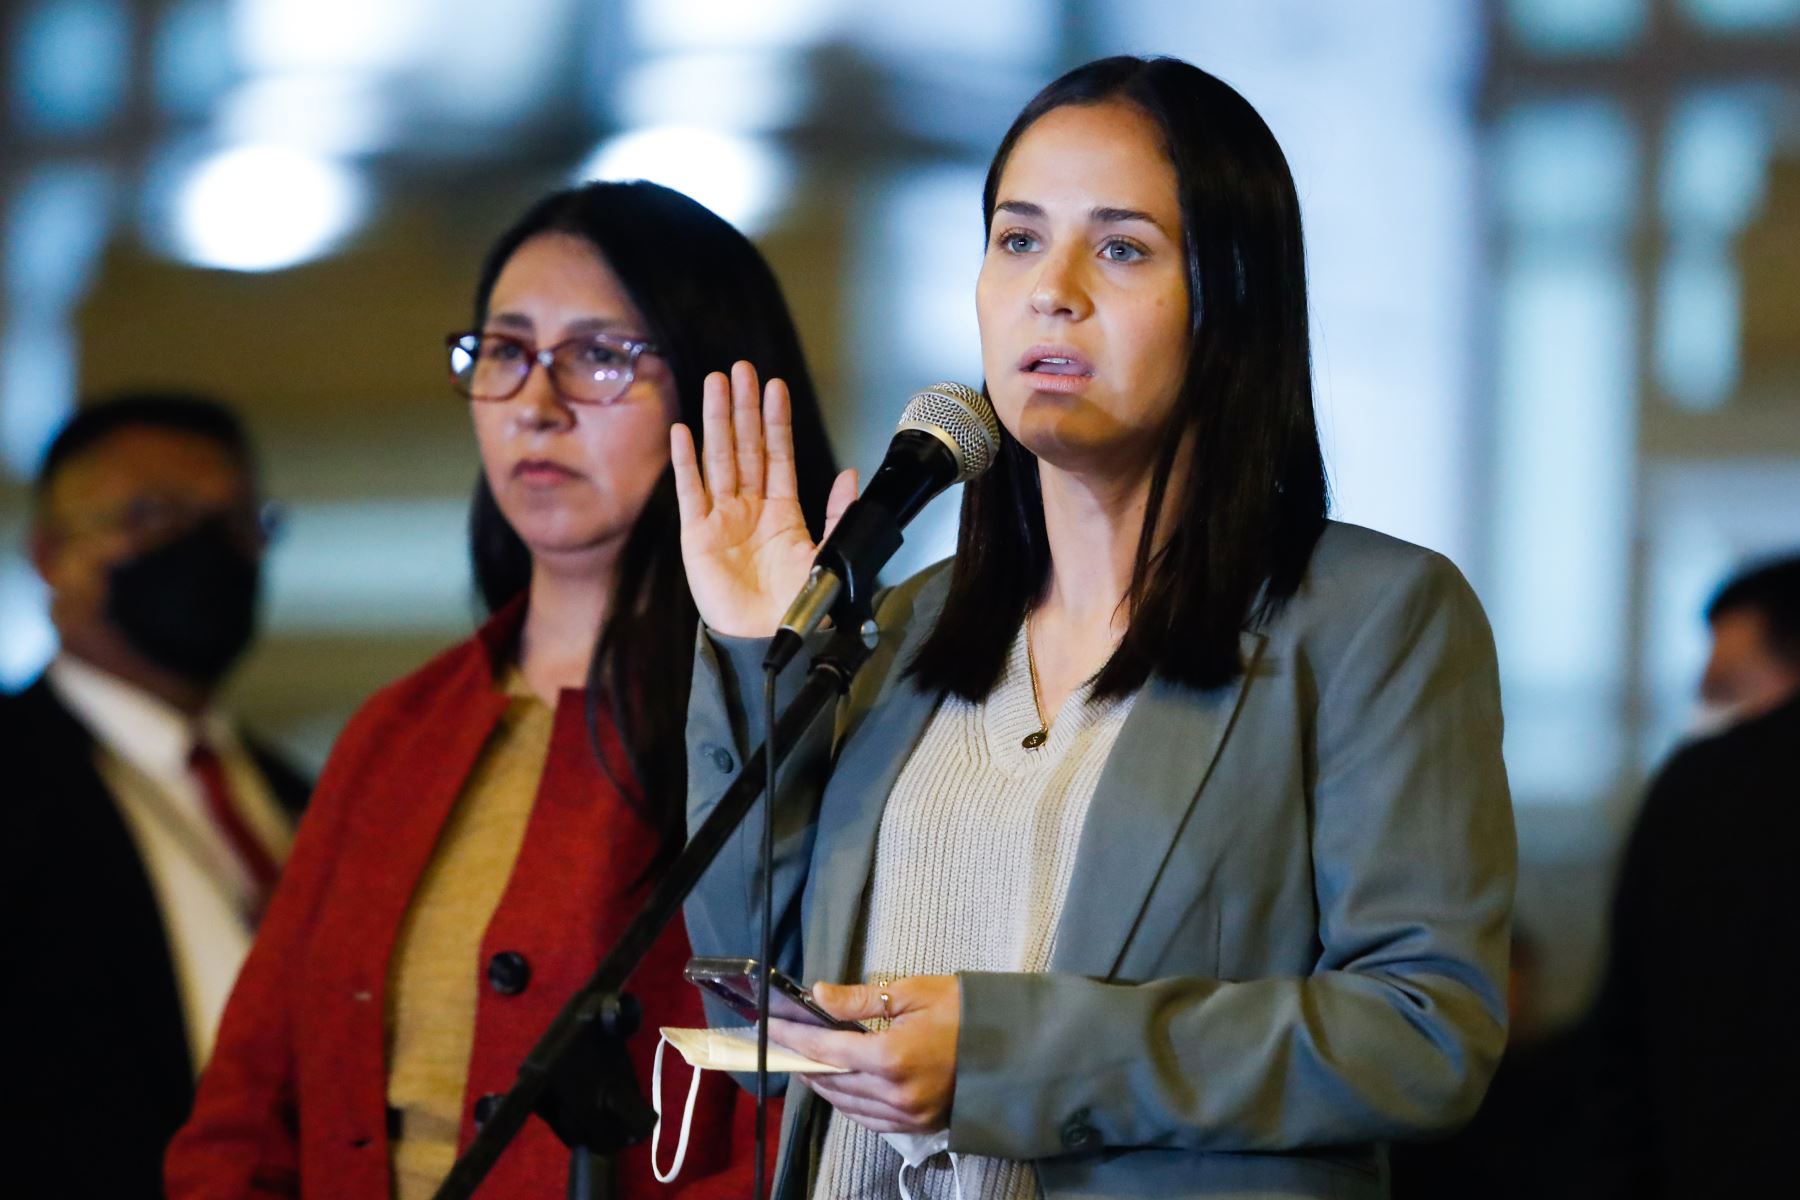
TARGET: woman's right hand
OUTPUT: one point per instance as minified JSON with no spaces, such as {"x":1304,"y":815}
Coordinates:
{"x":744,"y":541}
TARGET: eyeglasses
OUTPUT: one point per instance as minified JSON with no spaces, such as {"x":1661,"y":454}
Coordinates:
{"x":594,"y":369}
{"x":155,"y":518}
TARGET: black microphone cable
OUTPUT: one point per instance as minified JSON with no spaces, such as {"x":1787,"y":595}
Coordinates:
{"x":766,"y":953}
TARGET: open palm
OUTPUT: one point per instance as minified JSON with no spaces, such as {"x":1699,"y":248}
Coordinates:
{"x":744,"y":540}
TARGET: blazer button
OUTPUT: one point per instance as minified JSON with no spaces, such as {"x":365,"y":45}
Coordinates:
{"x":485,"y":1108}
{"x":508,"y":972}
{"x":1077,"y":1134}
{"x":721,"y":758}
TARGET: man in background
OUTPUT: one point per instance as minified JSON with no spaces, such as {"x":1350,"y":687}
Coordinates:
{"x":1696,"y":1037}
{"x":1754,"y":664}
{"x":143,"y":833}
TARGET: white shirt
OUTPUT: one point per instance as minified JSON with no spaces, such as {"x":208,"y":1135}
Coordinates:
{"x":142,"y":745}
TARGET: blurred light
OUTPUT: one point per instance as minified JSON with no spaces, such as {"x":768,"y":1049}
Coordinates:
{"x":190,"y":56}
{"x":742,"y":179}
{"x":491,"y":62}
{"x":1715,"y":169}
{"x":56,"y":228}
{"x":1715,"y":165}
{"x":692,"y":24}
{"x":327,"y":35}
{"x":37,"y":387}
{"x":327,"y":114}
{"x":71,"y":64}
{"x":27,"y":639}
{"x":1697,"y":322}
{"x":1577,"y":26}
{"x":1567,"y":165}
{"x":743,"y":91}
{"x":386,"y":565}
{"x":1014,"y":32}
{"x":1736,"y":16}
{"x":1373,"y":105}
{"x":918,"y":253}
{"x":261,"y":208}
{"x":1562,"y":503}
{"x":926,"y":254}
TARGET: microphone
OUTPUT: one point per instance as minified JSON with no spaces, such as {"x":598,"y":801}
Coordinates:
{"x":947,"y":434}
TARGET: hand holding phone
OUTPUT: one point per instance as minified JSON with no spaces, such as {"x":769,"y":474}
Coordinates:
{"x":734,"y":980}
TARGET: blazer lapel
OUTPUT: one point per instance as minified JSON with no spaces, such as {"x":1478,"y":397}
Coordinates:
{"x":1144,"y":797}
{"x":874,"y":744}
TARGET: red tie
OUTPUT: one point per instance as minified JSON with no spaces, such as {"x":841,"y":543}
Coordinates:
{"x":207,"y":767}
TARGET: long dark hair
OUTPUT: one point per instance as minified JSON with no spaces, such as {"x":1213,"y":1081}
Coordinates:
{"x":709,"y":299}
{"x":1252,"y":502}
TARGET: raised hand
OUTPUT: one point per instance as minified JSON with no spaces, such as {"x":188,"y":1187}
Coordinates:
{"x":744,"y":541}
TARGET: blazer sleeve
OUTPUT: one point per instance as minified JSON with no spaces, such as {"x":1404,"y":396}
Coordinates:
{"x":242,"y":1139}
{"x":1395,"y":1032}
{"x":725,"y":727}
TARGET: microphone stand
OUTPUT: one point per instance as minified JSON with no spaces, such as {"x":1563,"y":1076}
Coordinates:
{"x":577,"y":1077}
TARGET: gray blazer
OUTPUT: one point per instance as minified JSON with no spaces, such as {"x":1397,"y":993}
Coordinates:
{"x":1286,"y":936}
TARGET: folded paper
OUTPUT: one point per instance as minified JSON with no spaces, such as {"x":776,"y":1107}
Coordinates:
{"x":735,"y":1050}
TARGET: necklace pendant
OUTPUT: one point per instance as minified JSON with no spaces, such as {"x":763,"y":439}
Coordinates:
{"x":1035,"y":739}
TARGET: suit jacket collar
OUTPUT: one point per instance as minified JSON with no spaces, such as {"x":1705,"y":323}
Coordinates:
{"x":885,"y":721}
{"x":144,"y":730}
{"x":1143,"y":789}
{"x":1152,"y":794}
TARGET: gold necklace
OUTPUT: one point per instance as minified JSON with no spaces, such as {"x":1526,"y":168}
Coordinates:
{"x":1041,"y":734}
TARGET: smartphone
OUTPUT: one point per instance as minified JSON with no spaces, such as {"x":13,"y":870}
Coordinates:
{"x":734,"y":981}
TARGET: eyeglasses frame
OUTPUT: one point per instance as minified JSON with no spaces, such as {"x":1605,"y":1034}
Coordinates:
{"x":545,"y":357}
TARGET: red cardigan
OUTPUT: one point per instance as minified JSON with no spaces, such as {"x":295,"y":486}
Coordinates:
{"x":294,"y":1100}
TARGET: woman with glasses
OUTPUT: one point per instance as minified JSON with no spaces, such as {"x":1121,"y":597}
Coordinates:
{"x":486,"y":827}
{"x":1166,"y":836}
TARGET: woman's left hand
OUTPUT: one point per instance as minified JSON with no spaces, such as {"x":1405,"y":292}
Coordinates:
{"x":903,"y":1078}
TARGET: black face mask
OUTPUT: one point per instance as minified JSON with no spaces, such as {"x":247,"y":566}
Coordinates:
{"x":189,"y":606}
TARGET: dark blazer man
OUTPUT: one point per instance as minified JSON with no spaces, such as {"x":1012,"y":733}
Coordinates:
{"x":1696,"y":1033}
{"x":141,"y":830}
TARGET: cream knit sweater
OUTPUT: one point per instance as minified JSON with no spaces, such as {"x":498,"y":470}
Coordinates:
{"x":972,"y":865}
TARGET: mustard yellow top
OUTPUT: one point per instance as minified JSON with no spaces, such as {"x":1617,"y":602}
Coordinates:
{"x":434,"y":976}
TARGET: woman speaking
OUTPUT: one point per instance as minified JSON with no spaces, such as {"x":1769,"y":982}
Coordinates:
{"x":486,"y":827}
{"x":1166,"y":837}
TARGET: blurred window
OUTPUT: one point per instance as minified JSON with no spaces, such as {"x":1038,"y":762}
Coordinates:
{"x":1735,"y":16}
{"x":190,"y":57}
{"x":1566,"y":188}
{"x":1646,"y":381}
{"x":659,"y":25}
{"x":1577,"y":26}
{"x":27,"y":639}
{"x":1566,"y":166}
{"x":920,"y":242}
{"x":70,"y":65}
{"x":56,"y":225}
{"x":1714,"y":173}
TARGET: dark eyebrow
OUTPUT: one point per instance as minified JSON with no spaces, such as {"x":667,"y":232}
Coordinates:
{"x":1102,"y":215}
{"x":582,"y":325}
{"x":1114,"y":216}
{"x":1023,"y":208}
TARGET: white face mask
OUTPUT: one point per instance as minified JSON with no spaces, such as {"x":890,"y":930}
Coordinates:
{"x":1708,"y":718}
{"x":713,"y":1050}
{"x":915,"y":1148}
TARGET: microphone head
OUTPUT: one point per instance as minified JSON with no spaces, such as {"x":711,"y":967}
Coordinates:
{"x":961,"y":418}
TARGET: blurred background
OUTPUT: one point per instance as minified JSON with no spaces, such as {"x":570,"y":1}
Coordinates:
{"x":1555,"y":272}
